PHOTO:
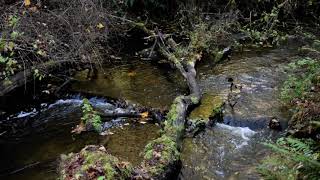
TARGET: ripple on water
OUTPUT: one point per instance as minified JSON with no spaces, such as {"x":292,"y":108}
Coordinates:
{"x":222,"y":152}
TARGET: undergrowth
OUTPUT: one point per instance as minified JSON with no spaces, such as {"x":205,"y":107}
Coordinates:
{"x":298,"y":156}
{"x":303,"y":82}
{"x":292,"y":159}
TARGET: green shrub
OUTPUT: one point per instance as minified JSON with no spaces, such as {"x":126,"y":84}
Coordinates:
{"x":299,"y":85}
{"x":292,"y":159}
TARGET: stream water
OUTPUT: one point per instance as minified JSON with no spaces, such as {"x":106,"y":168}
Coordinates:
{"x":230,"y":150}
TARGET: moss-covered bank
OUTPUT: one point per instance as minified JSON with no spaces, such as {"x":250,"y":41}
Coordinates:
{"x":93,"y":162}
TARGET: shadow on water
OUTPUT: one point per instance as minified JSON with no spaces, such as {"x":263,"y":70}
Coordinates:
{"x":138,"y":82}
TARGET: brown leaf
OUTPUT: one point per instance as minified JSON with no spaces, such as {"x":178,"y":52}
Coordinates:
{"x":144,"y":114}
{"x":80,"y":128}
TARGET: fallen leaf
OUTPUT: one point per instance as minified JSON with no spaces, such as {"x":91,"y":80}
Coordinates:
{"x":27,"y":2}
{"x":144,"y":114}
{"x":80,"y":128}
{"x":100,"y":26}
{"x":33,"y":9}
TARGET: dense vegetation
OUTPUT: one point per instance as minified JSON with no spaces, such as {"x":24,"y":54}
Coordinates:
{"x":298,"y":156}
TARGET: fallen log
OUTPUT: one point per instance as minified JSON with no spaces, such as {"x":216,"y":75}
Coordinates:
{"x":161,"y":157}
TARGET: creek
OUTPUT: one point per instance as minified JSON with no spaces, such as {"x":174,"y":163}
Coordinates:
{"x":230,"y":150}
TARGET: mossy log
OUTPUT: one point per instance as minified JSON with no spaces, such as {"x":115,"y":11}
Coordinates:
{"x":162,"y":156}
{"x":93,"y":162}
{"x":207,"y":114}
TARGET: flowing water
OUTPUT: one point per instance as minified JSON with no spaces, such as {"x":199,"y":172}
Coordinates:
{"x":229,"y":150}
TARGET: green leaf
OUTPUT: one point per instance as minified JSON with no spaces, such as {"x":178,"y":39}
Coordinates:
{"x":3,"y":59}
{"x":101,"y":178}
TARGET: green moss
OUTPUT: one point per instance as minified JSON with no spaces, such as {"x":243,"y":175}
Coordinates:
{"x":160,"y":153}
{"x":95,"y":161}
{"x":218,"y":56}
{"x":194,"y":100}
{"x":210,"y":106}
{"x":90,"y":117}
{"x":172,"y":114}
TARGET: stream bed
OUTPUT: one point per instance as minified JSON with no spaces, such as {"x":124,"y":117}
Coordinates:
{"x":230,"y":150}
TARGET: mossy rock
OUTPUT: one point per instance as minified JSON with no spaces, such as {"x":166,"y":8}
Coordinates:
{"x":160,"y":156}
{"x":93,"y":162}
{"x":211,"y":106}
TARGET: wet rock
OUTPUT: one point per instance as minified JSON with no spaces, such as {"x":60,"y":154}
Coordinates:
{"x":209,"y":112}
{"x":274,"y":124}
{"x":210,"y":108}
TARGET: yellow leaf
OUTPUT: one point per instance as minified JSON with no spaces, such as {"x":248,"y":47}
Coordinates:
{"x":132,"y":73}
{"x":100,"y":26}
{"x":144,"y":114}
{"x":27,"y":2}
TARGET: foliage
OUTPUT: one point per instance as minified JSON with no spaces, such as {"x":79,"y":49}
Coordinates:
{"x":90,"y":117}
{"x":8,"y":63}
{"x":8,"y":66}
{"x":301,"y":84}
{"x":293,"y":159}
{"x":38,"y":75}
